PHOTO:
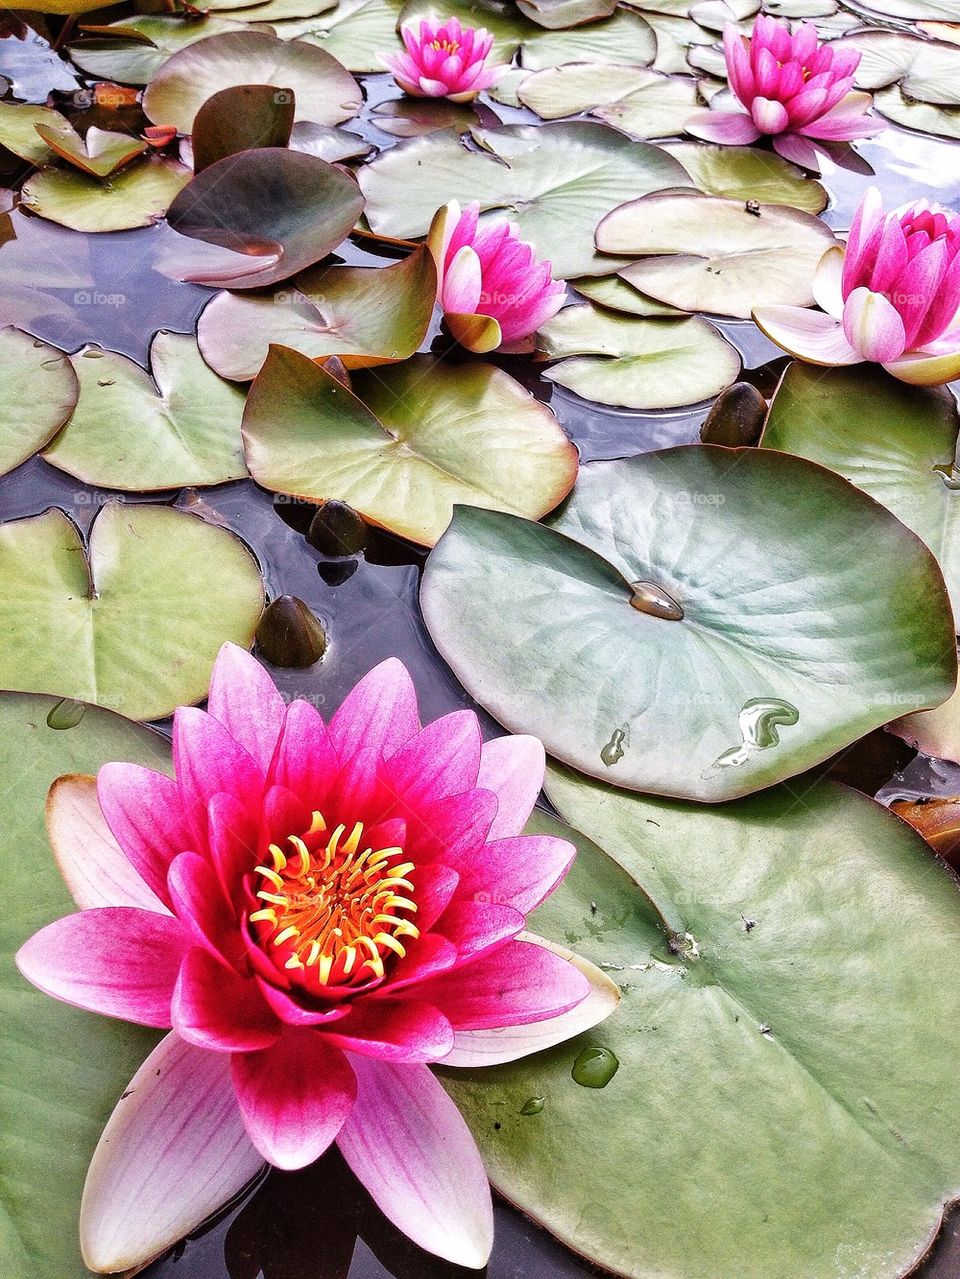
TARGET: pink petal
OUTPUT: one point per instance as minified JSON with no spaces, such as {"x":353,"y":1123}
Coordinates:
{"x":462,"y":283}
{"x":847,"y":121}
{"x":738,"y":63}
{"x":729,"y":128}
{"x":451,"y":829}
{"x":173,"y":1152}
{"x":521,"y":871}
{"x":214,"y":1008}
{"x":400,"y":1030}
{"x":827,"y":282}
{"x":798,"y":150}
{"x":232,"y":840}
{"x":306,"y":761}
{"x":917,"y":286}
{"x":436,"y":886}
{"x":864,"y":230}
{"x":769,"y":115}
{"x":92,"y":863}
{"x":144,"y":812}
{"x":287,"y":1008}
{"x":432,"y":955}
{"x":477,"y":926}
{"x":809,"y":335}
{"x":247,"y":703}
{"x":933,"y":365}
{"x":872,"y":326}
{"x":512,"y":767}
{"x":443,"y":759}
{"x":203,"y":909}
{"x":409,"y":1145}
{"x":116,"y":960}
{"x":379,"y":713}
{"x":516,"y":984}
{"x":208,"y":762}
{"x":294,"y":1097}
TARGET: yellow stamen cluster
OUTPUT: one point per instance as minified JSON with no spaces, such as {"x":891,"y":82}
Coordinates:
{"x":329,"y":913}
{"x":447,"y":46}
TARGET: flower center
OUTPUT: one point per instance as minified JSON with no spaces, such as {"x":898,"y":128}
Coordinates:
{"x":330,"y":911}
{"x":447,"y":46}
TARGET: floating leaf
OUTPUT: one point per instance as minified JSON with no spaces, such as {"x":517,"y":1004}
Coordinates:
{"x":625,"y":35}
{"x":135,"y":621}
{"x":131,"y":430}
{"x":693,"y":644}
{"x":744,"y":173}
{"x":614,"y":292}
{"x":921,"y":116}
{"x":912,"y":10}
{"x":66,"y":1068}
{"x":786,"y":964}
{"x":272,"y":11}
{"x":415,"y":117}
{"x":414,"y":439}
{"x":659,"y":109}
{"x":556,"y":181}
{"x":675,"y":34}
{"x":325,"y":91}
{"x":38,"y":389}
{"x":328,"y":143}
{"x":935,"y":732}
{"x":18,"y":131}
{"x":241,"y":118}
{"x":896,"y":442}
{"x":63,"y":7}
{"x":722,"y":256}
{"x":937,"y":821}
{"x":134,"y":49}
{"x":924,"y":69}
{"x":100,"y":153}
{"x":637,"y":363}
{"x":557,"y":15}
{"x":258,"y":202}
{"x":365,"y":315}
{"x":651,"y":101}
{"x":138,"y":195}
{"x":353,"y":33}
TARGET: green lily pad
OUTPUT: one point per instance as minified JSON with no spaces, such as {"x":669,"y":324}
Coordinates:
{"x":134,"y":49}
{"x":134,"y":622}
{"x":924,"y":69}
{"x":555,"y":180}
{"x":328,"y":143}
{"x":325,"y":91}
{"x":702,"y":253}
{"x":353,"y":33}
{"x":922,"y":116}
{"x":613,"y":292}
{"x":786,"y":1042}
{"x":557,"y":15}
{"x":138,"y":195}
{"x":66,"y":1068}
{"x":415,"y":117}
{"x":364,"y":315}
{"x":658,"y":109}
{"x":675,"y":34}
{"x":134,"y":431}
{"x":896,"y":442}
{"x":38,"y":391}
{"x":637,"y":363}
{"x":240,"y":118}
{"x":741,"y":662}
{"x":582,"y":86}
{"x":272,"y":11}
{"x":100,"y":153}
{"x":912,"y":10}
{"x":935,"y":732}
{"x":290,"y":207}
{"x":18,"y":131}
{"x":744,"y":173}
{"x":411,"y":440}
{"x":624,"y":37}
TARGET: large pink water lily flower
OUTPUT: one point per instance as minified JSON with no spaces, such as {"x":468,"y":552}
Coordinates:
{"x":494,"y":291}
{"x":318,"y":911}
{"x":892,"y":296}
{"x":444,"y":60}
{"x":790,"y":87}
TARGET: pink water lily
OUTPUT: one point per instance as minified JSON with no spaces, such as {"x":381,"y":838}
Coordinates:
{"x":494,"y":291}
{"x":892,"y":296}
{"x":789,"y":87}
{"x":444,"y":60}
{"x":318,"y":911}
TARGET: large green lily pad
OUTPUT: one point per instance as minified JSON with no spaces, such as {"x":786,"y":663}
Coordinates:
{"x":922,"y":116}
{"x":64,"y":1068}
{"x":615,"y":293}
{"x":702,"y":253}
{"x":637,"y":363}
{"x":558,"y":15}
{"x":924,"y":69}
{"x":135,"y":621}
{"x":239,"y":119}
{"x":353,"y":33}
{"x":784,"y":654}
{"x":414,"y":439}
{"x":896,"y":442}
{"x":746,"y":173}
{"x":364,"y":315}
{"x":131,"y":430}
{"x":786,"y":1040}
{"x":100,"y":153}
{"x":325,"y":92}
{"x":912,"y":10}
{"x":138,"y":195}
{"x":658,"y":109}
{"x":555,"y":180}
{"x":634,"y":98}
{"x":134,"y":49}
{"x":38,"y":391}
{"x":18,"y":130}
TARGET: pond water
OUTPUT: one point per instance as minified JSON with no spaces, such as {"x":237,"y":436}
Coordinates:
{"x":69,"y":289}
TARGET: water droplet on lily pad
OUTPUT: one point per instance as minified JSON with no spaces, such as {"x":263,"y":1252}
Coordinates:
{"x":595,"y":1067}
{"x":290,"y":634}
{"x":758,"y":722}
{"x":652,"y":599}
{"x":533,"y":1106}
{"x":613,"y":750}
{"x":66,"y":713}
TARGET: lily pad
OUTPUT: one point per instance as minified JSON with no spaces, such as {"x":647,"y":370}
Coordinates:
{"x":613,"y":292}
{"x":693,"y":644}
{"x":583,"y":86}
{"x":935,"y":732}
{"x":325,"y":91}
{"x":675,"y":34}
{"x":65,"y":1067}
{"x":138,"y":195}
{"x":658,"y":109}
{"x":786,"y":1042}
{"x":415,"y":117}
{"x":238,"y":119}
{"x":555,"y":180}
{"x":624,"y":37}
{"x":896,"y":442}
{"x":260,"y":201}
{"x":912,"y":10}
{"x":924,"y":69}
{"x":134,"y":49}
{"x":135,"y":621}
{"x":18,"y":131}
{"x":413,"y":439}
{"x":557,"y":15}
{"x":637,"y":363}
{"x":744,"y":173}
{"x":724,"y":256}
{"x":922,"y":116}
{"x":134,"y":431}
{"x":364,"y":315}
{"x":100,"y":153}
{"x":353,"y":33}
{"x":38,"y":390}
{"x":328,"y":143}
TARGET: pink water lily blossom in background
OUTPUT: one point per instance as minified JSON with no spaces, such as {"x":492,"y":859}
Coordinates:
{"x":892,"y":296}
{"x":315,"y":911}
{"x":494,"y":290}
{"x":444,"y":60}
{"x":790,"y":87}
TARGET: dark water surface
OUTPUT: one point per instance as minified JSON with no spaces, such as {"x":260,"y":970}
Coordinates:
{"x":70,"y":288}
